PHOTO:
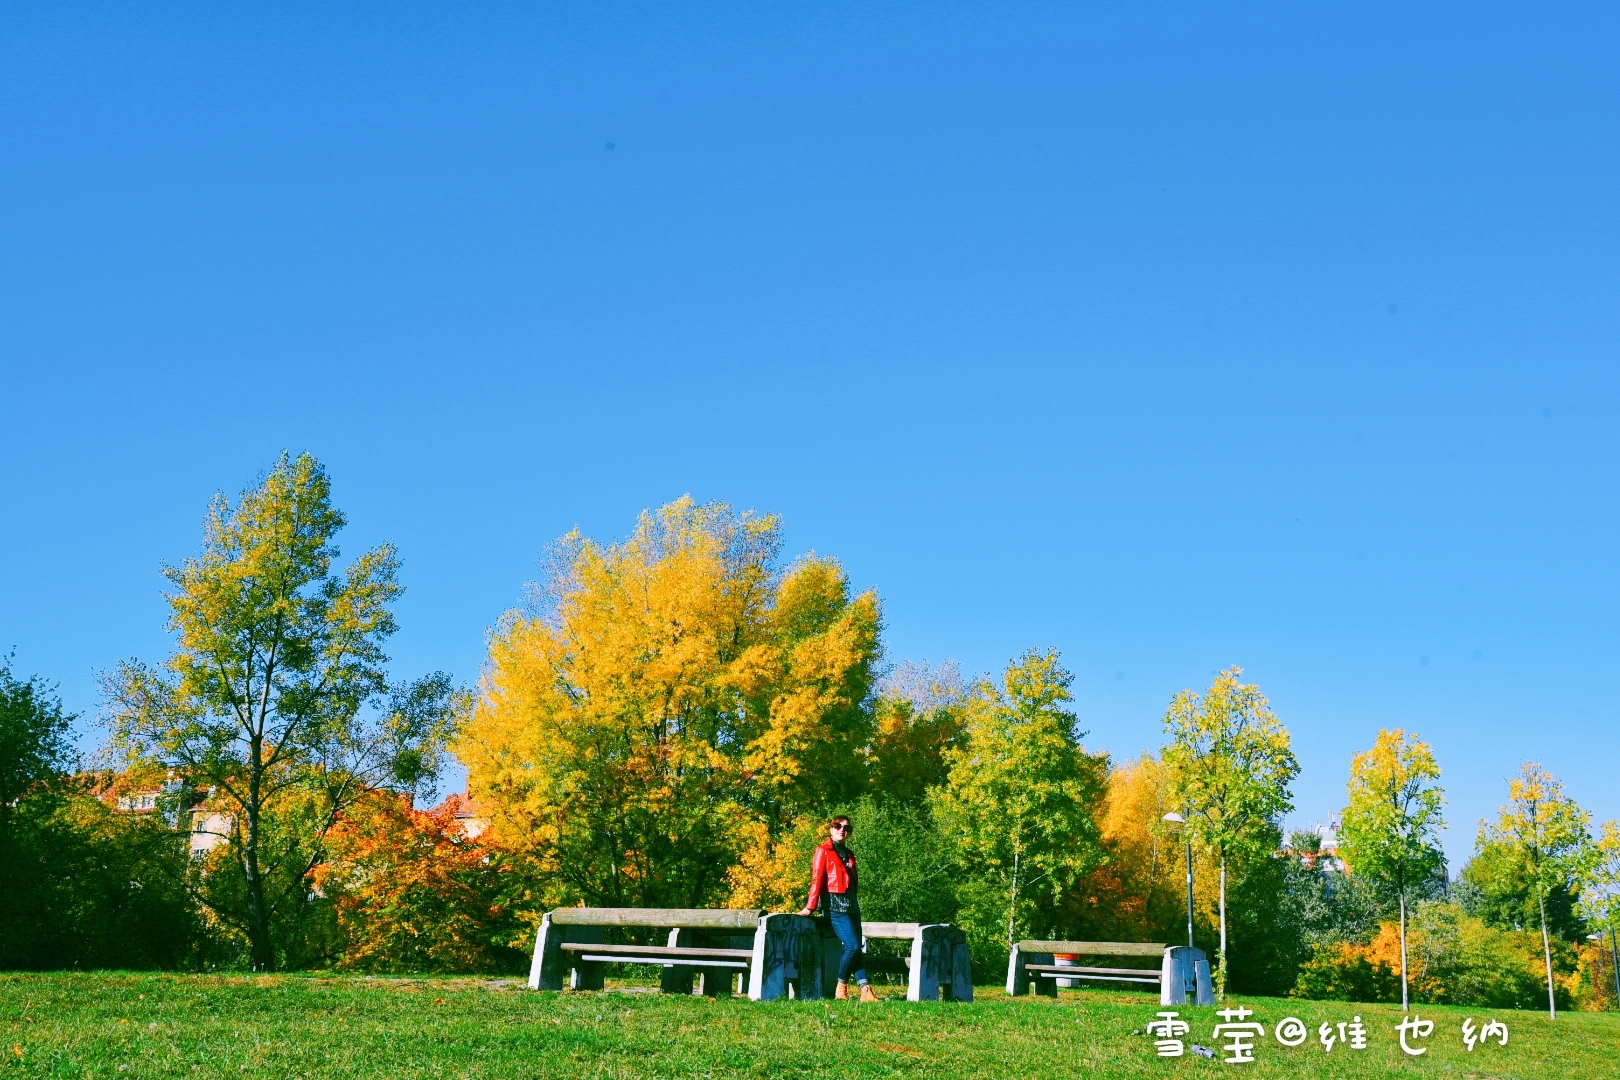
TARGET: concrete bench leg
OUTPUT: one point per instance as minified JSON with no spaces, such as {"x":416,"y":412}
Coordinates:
{"x":1020,"y":981}
{"x":1184,"y":977}
{"x":676,"y":979}
{"x":922,"y":978}
{"x":546,"y":955}
{"x":1017,"y":976}
{"x":787,"y":956}
{"x":941,"y":965}
{"x":716,"y":982}
{"x":551,"y":966}
{"x":961,"y":966}
{"x":711,"y":982}
{"x":1043,"y":986}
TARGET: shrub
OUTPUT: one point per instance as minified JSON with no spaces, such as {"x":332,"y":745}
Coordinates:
{"x":1454,"y":959}
{"x":86,"y":887}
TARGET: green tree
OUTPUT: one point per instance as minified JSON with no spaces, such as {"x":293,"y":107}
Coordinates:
{"x":35,"y":751}
{"x":104,"y":889}
{"x":80,"y":885}
{"x":1548,"y":834}
{"x":276,"y":697}
{"x":1496,"y":886}
{"x":907,"y":873}
{"x":1021,"y":796}
{"x":1231,"y":763}
{"x":35,"y":746}
{"x":1270,"y":910}
{"x":1390,"y":828}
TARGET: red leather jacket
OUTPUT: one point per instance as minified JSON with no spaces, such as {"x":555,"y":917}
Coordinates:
{"x":827,"y":872}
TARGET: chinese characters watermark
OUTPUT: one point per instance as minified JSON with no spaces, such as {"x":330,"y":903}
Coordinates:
{"x":1416,"y":1028}
{"x":1243,"y":1035}
{"x":1166,"y":1030}
{"x":1353,"y":1034}
{"x":1239,"y":1032}
{"x":1492,"y":1029}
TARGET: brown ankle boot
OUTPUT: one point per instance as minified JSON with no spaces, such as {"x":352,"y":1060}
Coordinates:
{"x":867,"y":995}
{"x":841,"y":992}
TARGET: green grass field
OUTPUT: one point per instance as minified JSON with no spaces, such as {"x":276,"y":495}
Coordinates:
{"x":128,"y":1026}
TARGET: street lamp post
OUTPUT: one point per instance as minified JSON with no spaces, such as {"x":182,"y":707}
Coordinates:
{"x":1597,"y":977}
{"x":1614,"y":954}
{"x":1172,"y":816}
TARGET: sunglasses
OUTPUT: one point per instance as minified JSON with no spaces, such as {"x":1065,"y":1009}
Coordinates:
{"x":842,"y":828}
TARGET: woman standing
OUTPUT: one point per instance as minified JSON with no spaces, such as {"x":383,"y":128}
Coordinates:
{"x":833,"y":879}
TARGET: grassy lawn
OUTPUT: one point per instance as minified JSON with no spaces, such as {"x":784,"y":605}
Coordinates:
{"x":128,"y":1026}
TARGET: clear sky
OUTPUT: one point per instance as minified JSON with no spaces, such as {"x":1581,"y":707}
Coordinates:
{"x":1173,"y":335}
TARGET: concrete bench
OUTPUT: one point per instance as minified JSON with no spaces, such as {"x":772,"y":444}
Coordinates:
{"x":938,"y":964}
{"x":775,"y":955}
{"x":1181,"y":979}
{"x":1032,"y":964}
{"x":711,"y":946}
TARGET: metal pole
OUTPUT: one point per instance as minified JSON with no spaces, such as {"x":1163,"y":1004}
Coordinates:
{"x":1614,"y":951}
{"x":1189,"y":887}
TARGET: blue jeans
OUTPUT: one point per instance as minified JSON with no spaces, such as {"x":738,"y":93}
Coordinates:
{"x":847,"y":925}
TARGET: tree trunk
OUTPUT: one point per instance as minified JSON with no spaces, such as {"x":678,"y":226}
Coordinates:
{"x":1012,"y":903}
{"x":264,"y":955}
{"x":1405,"y":1002}
{"x":1546,"y":952}
{"x":259,"y":941}
{"x":1221,"y":982}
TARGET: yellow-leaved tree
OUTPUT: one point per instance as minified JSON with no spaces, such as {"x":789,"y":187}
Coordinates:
{"x":1391,"y":826}
{"x":1230,"y":762}
{"x":670,"y":701}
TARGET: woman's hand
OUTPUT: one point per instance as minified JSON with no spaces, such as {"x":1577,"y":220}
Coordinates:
{"x":806,"y":911}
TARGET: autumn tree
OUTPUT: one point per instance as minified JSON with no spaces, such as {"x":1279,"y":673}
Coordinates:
{"x":1546,"y":835}
{"x":1139,"y":893}
{"x":669,"y":700}
{"x":1390,"y":828}
{"x":414,"y":892}
{"x":1021,"y":796}
{"x":1231,"y":762}
{"x":918,"y":718}
{"x":276,"y":698}
{"x":1600,"y":892}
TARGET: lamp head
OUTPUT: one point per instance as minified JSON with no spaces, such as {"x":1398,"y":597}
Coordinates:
{"x":1175,"y":817}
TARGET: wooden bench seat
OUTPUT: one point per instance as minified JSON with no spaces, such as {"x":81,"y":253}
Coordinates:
{"x":1057,"y":971}
{"x":1032,"y":964}
{"x":659,"y":954}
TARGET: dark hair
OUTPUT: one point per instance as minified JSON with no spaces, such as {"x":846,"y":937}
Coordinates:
{"x":839,"y":820}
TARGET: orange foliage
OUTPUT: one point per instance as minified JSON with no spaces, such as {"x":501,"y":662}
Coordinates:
{"x":414,"y":893}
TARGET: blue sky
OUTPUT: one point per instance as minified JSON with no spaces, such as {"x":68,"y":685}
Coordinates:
{"x":1172,"y":335}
